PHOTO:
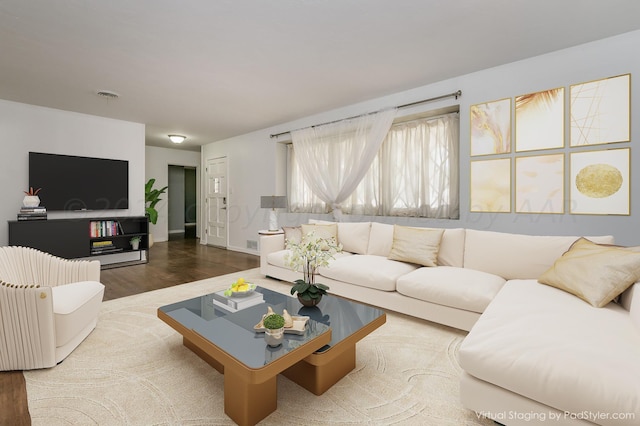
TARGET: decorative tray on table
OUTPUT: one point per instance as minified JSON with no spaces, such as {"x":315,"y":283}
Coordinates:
{"x":299,"y":326}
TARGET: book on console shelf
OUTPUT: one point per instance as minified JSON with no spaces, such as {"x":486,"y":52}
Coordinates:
{"x":104,"y":228}
{"x":234,"y":304}
{"x":32,"y":213}
{"x":104,"y":247}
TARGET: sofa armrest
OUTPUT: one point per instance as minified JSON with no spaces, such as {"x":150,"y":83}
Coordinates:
{"x":630,"y":300}
{"x":269,"y":244}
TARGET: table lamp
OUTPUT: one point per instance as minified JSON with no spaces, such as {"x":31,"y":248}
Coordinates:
{"x":273,"y":202}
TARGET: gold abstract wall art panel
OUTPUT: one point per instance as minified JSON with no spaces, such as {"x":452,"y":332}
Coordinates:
{"x":491,"y":185}
{"x":491,"y":127}
{"x":539,"y":122}
{"x":600,"y":111}
{"x":539,"y":184}
{"x":600,"y":182}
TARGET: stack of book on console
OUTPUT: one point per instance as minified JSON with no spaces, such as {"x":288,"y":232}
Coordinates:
{"x":32,"y":213}
{"x":234,"y":304}
{"x":103,"y":247}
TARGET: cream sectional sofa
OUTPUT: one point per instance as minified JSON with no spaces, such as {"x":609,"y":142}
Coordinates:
{"x":533,"y":352}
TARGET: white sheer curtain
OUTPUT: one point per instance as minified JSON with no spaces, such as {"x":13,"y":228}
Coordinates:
{"x":414,"y":174}
{"x":333,"y":158}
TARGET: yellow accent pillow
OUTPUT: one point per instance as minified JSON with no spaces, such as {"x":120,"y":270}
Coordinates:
{"x":328,"y":232}
{"x":595,"y":273}
{"x":416,"y":245}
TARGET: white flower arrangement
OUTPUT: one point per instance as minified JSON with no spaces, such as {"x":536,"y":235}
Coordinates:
{"x":311,"y":253}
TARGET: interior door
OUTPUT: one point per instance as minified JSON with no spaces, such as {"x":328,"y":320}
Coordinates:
{"x":216,"y":202}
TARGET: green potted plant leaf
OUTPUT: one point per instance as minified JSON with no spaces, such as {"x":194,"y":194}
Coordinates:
{"x":274,"y":329}
{"x":151,"y":198}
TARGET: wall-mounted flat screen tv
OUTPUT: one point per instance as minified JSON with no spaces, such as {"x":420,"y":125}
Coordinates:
{"x":75,"y":183}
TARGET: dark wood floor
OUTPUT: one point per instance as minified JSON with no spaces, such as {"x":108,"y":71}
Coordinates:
{"x":174,"y":262}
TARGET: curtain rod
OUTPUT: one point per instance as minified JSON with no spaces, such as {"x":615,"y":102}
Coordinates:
{"x":437,"y":98}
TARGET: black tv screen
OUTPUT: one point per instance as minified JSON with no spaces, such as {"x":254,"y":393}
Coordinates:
{"x":79,"y":183}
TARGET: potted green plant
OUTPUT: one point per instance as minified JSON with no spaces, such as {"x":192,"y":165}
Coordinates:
{"x":151,"y":198}
{"x":308,"y":255}
{"x":274,"y":329}
{"x":135,"y":242}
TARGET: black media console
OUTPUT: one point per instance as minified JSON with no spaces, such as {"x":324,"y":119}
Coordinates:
{"x":85,"y":237}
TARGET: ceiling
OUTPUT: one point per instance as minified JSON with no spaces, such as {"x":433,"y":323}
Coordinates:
{"x":213,"y":69}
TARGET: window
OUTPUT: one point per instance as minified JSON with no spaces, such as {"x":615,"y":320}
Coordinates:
{"x":415,"y":174}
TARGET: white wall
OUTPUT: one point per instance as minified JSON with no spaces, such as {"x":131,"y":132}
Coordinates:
{"x":25,"y":128}
{"x":158,"y":161}
{"x":255,"y":164}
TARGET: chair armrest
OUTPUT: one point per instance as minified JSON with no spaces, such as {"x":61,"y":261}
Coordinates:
{"x":27,"y":339}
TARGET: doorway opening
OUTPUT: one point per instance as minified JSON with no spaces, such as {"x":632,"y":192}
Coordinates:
{"x":182,"y":202}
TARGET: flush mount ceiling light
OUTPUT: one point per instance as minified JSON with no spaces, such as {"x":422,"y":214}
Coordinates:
{"x":107,"y":94}
{"x":177,"y":138}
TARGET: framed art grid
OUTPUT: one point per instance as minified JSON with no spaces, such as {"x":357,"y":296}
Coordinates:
{"x":600,"y":182}
{"x":490,"y":128}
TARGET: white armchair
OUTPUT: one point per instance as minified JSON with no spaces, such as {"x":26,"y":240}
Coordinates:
{"x":48,"y":306}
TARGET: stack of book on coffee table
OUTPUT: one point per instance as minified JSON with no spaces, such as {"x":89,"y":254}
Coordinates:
{"x":236,"y":303}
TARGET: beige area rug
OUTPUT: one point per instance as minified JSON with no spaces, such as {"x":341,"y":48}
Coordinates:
{"x":134,"y":370}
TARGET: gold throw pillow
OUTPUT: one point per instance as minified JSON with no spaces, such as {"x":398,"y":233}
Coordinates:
{"x":593,"y":272}
{"x":416,"y":245}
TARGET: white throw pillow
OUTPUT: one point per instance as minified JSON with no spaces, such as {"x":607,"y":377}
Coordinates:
{"x":380,"y":239}
{"x":354,"y":236}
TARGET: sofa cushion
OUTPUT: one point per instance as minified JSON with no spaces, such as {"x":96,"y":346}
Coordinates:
{"x":516,"y":256}
{"x":549,"y":346}
{"x":354,"y":236}
{"x":74,"y":306}
{"x":292,"y":234}
{"x":451,"y":286}
{"x":277,"y":258}
{"x":595,"y":273}
{"x":375,"y":272}
{"x":416,"y":245}
{"x":324,"y":231}
{"x":451,"y":246}
{"x":380,"y":239}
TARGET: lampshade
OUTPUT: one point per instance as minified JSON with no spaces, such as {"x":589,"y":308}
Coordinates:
{"x":177,"y":138}
{"x":273,"y":202}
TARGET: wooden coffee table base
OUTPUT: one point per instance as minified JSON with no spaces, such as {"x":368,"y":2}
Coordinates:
{"x":250,"y":395}
{"x":318,"y":373}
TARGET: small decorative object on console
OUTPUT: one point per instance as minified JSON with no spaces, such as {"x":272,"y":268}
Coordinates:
{"x":31,"y":198}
